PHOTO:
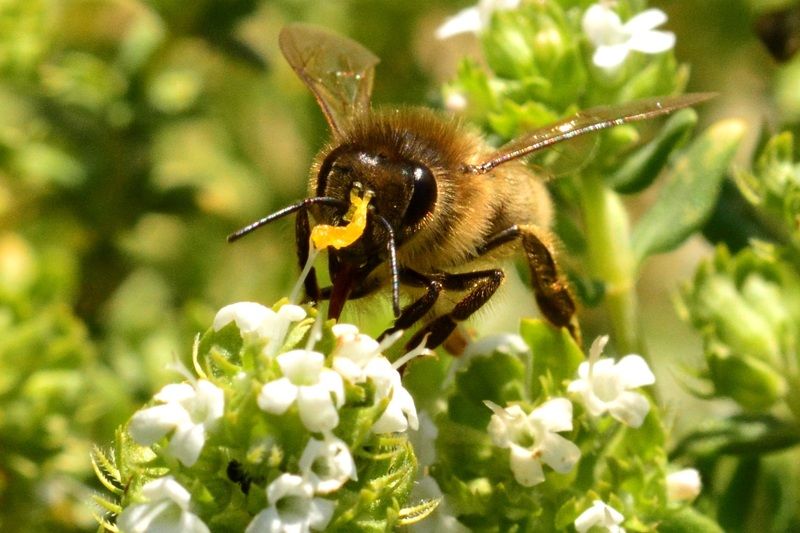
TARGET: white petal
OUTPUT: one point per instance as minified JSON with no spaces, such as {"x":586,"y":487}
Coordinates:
{"x":267,"y":521}
{"x":510,"y":343}
{"x":247,"y":315}
{"x":652,"y":42}
{"x":645,"y":21}
{"x":302,"y":367}
{"x":211,"y":402}
{"x":465,"y":21}
{"x":292,"y":313}
{"x":276,"y":396}
{"x":317,"y":411}
{"x":602,"y":25}
{"x":343,"y":329}
{"x":288,"y":485}
{"x":594,"y":405}
{"x":166,"y":488}
{"x":333,"y":461}
{"x":599,"y":514}
{"x":141,"y":517}
{"x":683,"y":485}
{"x":176,"y":392}
{"x":187,"y":443}
{"x":559,"y":453}
{"x":320,"y":513}
{"x":554,"y":415}
{"x":610,"y":57}
{"x":596,"y":350}
{"x":634,"y":372}
{"x":348,"y":369}
{"x":332,"y":381}
{"x":630,"y":408}
{"x":525,"y":466}
{"x":149,"y":425}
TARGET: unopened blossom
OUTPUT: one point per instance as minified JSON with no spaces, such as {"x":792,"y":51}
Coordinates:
{"x":188,"y":410}
{"x":353,"y":352}
{"x":327,"y":464}
{"x":256,"y":321}
{"x":292,"y":508}
{"x":600,"y":515}
{"x":605,"y":386}
{"x":474,"y":19}
{"x":318,"y":391}
{"x":533,"y":438}
{"x":166,"y":511}
{"x":613,"y":40}
{"x":683,"y":485}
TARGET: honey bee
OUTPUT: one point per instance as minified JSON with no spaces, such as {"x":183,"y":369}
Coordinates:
{"x":444,"y":207}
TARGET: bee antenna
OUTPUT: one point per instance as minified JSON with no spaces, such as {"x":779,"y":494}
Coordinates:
{"x":324,"y":200}
{"x":392,"y":249}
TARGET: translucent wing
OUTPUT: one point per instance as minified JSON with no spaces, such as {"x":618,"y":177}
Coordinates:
{"x":338,"y":70}
{"x":587,"y":121}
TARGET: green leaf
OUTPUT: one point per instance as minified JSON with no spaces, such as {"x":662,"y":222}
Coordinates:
{"x":555,"y":355}
{"x":687,"y":519}
{"x":690,"y":192}
{"x":642,"y":167}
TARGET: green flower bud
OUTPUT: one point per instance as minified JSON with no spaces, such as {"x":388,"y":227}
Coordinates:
{"x":746,"y":307}
{"x":750,"y":382}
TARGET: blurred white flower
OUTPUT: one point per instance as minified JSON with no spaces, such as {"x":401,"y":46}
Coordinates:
{"x":292,"y":508}
{"x":605,"y":386}
{"x":189,"y":410}
{"x":443,"y":519}
{"x":474,"y":19}
{"x":614,"y":40}
{"x":533,"y":438}
{"x":166,"y":511}
{"x":600,"y":515}
{"x":256,"y":321}
{"x":327,"y":464}
{"x":683,"y":485}
{"x":318,"y":391}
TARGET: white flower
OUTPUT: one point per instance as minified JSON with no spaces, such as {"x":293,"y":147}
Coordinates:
{"x":357,"y":357}
{"x":401,"y":413}
{"x":353,"y":352}
{"x":256,"y":321}
{"x":189,"y":410}
{"x":474,"y":19}
{"x":533,"y":438}
{"x":600,"y":515}
{"x":292,"y":508}
{"x":318,"y":391}
{"x":605,"y":386}
{"x":683,"y":485}
{"x":166,"y":511}
{"x":614,"y":40}
{"x":327,"y":464}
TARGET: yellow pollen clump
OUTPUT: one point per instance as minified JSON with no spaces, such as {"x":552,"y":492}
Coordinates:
{"x":338,"y":237}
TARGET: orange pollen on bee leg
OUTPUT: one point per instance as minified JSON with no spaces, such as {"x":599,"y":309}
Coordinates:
{"x":338,"y":237}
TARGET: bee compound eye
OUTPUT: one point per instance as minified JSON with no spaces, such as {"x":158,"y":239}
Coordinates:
{"x":423,"y":196}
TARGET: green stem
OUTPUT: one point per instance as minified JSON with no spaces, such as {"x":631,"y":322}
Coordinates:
{"x":611,"y":260}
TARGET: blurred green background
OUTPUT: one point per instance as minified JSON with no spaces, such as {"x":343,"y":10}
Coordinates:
{"x":135,"y":135}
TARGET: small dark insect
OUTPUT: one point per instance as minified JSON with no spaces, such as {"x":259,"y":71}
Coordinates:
{"x":444,"y":207}
{"x":239,"y":475}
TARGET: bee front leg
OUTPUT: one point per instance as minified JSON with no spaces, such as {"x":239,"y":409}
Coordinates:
{"x":550,"y":289}
{"x":481,"y":286}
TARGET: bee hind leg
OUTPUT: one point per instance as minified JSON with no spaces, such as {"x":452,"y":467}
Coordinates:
{"x":550,"y":289}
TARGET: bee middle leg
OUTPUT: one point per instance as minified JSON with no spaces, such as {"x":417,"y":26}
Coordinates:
{"x":481,"y":286}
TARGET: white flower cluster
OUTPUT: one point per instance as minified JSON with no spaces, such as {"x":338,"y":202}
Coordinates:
{"x":191,"y":410}
{"x":532,"y":438}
